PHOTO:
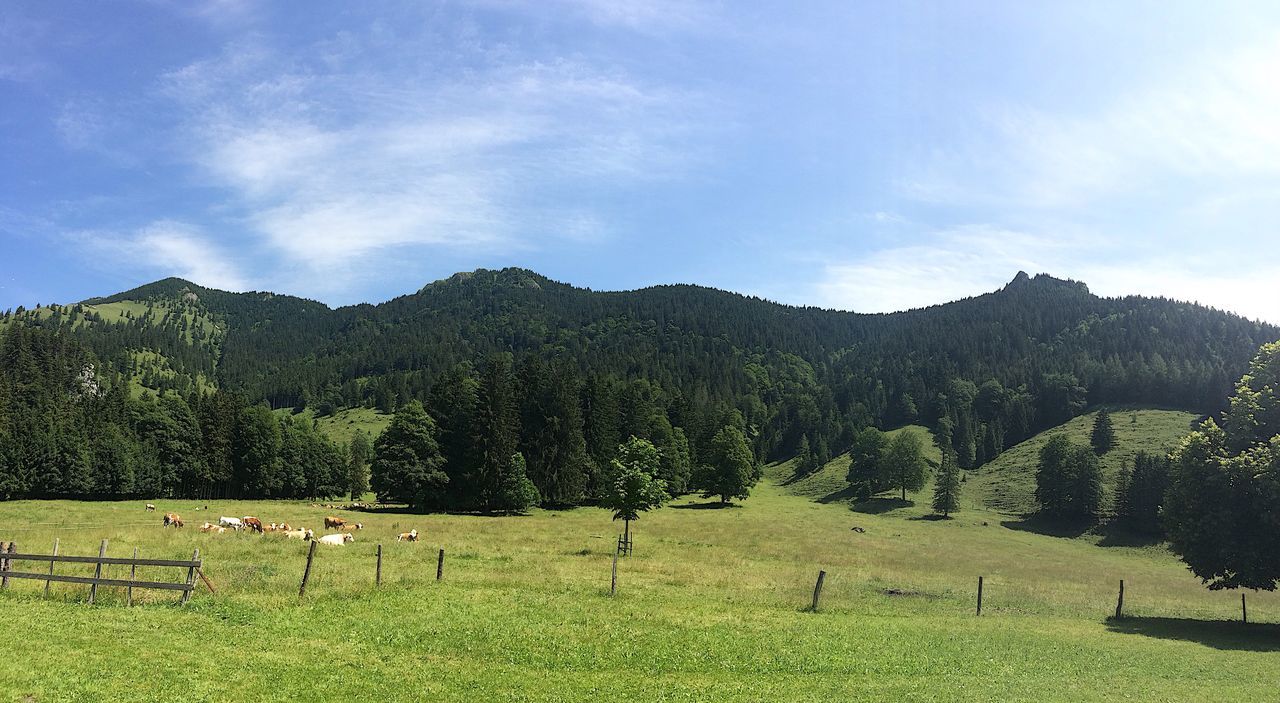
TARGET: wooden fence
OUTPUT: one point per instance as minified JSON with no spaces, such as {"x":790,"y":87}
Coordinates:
{"x":9,"y":554}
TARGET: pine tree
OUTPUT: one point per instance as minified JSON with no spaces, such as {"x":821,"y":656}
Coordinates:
{"x":1103,"y":436}
{"x":359,"y":456}
{"x":804,"y":456}
{"x":497,"y":428}
{"x":946,"y":491}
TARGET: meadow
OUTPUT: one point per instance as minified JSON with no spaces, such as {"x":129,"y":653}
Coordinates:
{"x":712,"y":605}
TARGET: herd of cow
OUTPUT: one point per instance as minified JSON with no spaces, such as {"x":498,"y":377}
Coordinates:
{"x":253,"y":524}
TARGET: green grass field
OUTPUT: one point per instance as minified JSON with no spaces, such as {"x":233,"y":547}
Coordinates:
{"x":710,"y":607}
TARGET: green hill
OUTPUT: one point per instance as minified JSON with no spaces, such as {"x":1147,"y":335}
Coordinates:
{"x":1008,"y":483}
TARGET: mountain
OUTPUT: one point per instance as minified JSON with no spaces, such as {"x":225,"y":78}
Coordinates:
{"x":997,"y":367}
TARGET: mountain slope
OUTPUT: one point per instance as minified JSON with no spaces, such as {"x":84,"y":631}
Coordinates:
{"x":998,"y":367}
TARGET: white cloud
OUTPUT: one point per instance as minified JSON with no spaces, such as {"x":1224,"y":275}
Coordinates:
{"x":331,"y":166}
{"x":166,"y":248}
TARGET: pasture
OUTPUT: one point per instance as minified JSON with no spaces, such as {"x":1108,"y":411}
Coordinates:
{"x":711,"y":606}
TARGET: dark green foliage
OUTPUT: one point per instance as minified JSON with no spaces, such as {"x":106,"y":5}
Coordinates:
{"x":866,"y":463}
{"x":1068,"y":480}
{"x":946,"y":489}
{"x":1140,"y":492}
{"x":672,"y":364}
{"x":407,"y":464}
{"x":1220,"y":509}
{"x":1103,"y":436}
{"x":359,"y":457}
{"x":904,"y":466}
{"x":516,"y":493}
{"x":730,"y":471}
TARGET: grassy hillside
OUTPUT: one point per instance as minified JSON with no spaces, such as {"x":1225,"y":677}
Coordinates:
{"x":829,"y":483}
{"x":711,"y":606}
{"x":342,"y":425}
{"x":1008,"y":484}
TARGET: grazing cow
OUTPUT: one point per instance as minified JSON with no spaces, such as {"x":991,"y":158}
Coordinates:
{"x":232,"y":522}
{"x":337,"y":540}
{"x":410,"y":536}
{"x":151,"y":507}
{"x":351,"y":527}
{"x":331,"y":522}
{"x":172,"y":520}
{"x":303,"y":534}
{"x":252,"y":523}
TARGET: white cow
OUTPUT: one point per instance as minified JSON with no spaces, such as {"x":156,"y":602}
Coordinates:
{"x":337,"y":540}
{"x":232,"y":522}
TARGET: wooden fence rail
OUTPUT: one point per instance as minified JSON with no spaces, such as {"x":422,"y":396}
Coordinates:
{"x":193,"y":567}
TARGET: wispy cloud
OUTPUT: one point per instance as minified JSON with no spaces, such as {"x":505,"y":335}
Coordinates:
{"x":331,"y":164}
{"x":1212,"y":124}
{"x":166,"y":248}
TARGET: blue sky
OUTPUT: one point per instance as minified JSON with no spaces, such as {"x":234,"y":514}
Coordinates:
{"x":862,"y":156}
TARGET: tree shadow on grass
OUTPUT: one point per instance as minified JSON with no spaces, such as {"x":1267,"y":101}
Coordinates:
{"x":1051,"y":527}
{"x":1114,"y":535}
{"x":877,"y":506}
{"x":844,"y":495}
{"x":932,"y":517}
{"x":709,"y":505}
{"x":1219,"y":634}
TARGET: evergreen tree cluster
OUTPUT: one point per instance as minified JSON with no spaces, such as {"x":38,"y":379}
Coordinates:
{"x":67,"y":431}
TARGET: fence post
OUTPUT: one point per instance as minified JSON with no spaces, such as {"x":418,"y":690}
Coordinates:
{"x":979,"y":596}
{"x":1120,"y":602}
{"x":1244,"y":610}
{"x":97,"y":573}
{"x":191,"y":577}
{"x":613,"y":580}
{"x":817,"y":590}
{"x":306,"y":574}
{"x":55,"y":553}
{"x":8,"y":565}
{"x":133,"y":575}
{"x":440,"y":565}
{"x":378,"y":574}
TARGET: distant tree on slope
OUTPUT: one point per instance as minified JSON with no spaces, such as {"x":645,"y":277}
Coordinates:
{"x":904,"y":462}
{"x":946,"y":491}
{"x":866,"y":458}
{"x":1068,"y":480}
{"x":1103,"y":436}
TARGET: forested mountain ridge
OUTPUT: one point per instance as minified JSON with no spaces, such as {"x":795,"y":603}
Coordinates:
{"x":994,"y":368}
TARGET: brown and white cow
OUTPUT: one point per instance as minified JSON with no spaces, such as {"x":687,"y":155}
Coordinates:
{"x":351,"y":526}
{"x":210,"y":527}
{"x":410,"y":536}
{"x":331,"y":522}
{"x":252,"y":523}
{"x":172,"y":520}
